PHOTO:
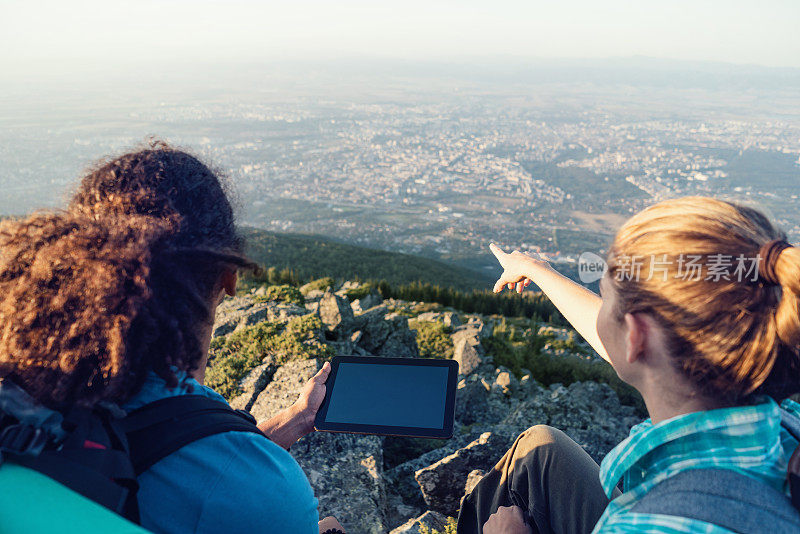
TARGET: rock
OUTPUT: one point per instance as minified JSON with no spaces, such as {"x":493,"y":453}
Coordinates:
{"x":473,"y":478}
{"x":467,"y":350}
{"x":370,"y":301}
{"x":335,"y":313}
{"x":471,"y":401}
{"x":451,"y":320}
{"x":253,"y":384}
{"x":401,"y":342}
{"x":261,"y":291}
{"x":374,"y":328}
{"x":442,"y":483}
{"x":284,"y":388}
{"x":346,"y":472}
{"x":483,"y":329}
{"x":237,"y":312}
{"x":432,"y":520}
{"x":429,"y":317}
{"x":313,"y":295}
{"x":398,"y":511}
{"x":503,"y":379}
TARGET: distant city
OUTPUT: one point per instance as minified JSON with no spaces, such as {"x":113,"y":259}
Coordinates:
{"x":439,"y":167}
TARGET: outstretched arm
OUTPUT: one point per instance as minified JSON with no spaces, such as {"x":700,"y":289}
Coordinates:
{"x":576,"y":303}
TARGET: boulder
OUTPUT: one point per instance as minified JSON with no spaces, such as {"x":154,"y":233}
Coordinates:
{"x":443,"y":483}
{"x":335,"y":313}
{"x":401,"y":342}
{"x":431,"y":520}
{"x":467,"y":350}
{"x":374,"y":328}
{"x":346,"y":472}
{"x":284,"y":388}
{"x":471,"y":401}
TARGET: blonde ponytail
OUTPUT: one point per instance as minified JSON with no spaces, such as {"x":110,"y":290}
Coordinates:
{"x":731,"y":337}
{"x":787,"y":276}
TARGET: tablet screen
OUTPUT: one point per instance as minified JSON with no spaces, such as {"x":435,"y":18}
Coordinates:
{"x":389,"y":395}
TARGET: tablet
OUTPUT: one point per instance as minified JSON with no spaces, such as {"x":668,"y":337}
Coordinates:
{"x":390,"y":396}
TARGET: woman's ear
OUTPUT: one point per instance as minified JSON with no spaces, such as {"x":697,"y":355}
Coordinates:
{"x":229,"y":279}
{"x":635,"y":337}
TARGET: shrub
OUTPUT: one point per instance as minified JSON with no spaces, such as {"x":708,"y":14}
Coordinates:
{"x":283,"y":293}
{"x":550,"y":369}
{"x":232,"y":357}
{"x":320,"y":284}
{"x":433,"y":339}
{"x":358,"y":292}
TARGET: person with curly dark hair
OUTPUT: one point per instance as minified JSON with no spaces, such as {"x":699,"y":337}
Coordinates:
{"x":112,"y":300}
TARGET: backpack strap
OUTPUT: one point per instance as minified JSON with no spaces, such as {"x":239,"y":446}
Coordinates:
{"x":724,"y":498}
{"x":91,"y":459}
{"x":160,"y":428}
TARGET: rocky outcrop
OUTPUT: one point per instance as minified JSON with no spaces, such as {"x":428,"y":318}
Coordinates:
{"x":493,"y":406}
{"x":346,"y":472}
{"x":239,"y":312}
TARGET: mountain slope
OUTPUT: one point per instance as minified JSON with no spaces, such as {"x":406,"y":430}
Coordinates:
{"x":314,"y":256}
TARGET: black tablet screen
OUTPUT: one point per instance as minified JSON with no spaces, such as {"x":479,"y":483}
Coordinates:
{"x":394,"y":395}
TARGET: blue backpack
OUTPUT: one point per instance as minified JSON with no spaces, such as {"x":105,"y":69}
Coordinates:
{"x":99,"y":452}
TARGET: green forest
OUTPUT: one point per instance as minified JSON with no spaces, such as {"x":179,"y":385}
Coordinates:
{"x":310,"y":257}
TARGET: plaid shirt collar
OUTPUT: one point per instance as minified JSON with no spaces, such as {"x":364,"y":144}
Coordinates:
{"x":743,"y":438}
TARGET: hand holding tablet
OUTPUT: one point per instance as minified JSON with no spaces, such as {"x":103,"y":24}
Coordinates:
{"x":390,"y":396}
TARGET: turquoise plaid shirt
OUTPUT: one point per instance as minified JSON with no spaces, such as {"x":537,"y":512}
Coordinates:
{"x":747,"y":439}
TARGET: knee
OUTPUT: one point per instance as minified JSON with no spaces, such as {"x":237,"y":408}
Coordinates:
{"x":542,"y":438}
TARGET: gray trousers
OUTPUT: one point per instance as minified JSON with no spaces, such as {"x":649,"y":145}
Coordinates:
{"x":549,"y":476}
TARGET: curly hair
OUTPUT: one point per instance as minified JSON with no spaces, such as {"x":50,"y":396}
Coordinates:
{"x":94,"y":297}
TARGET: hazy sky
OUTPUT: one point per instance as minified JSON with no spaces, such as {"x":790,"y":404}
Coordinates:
{"x":763,"y":32}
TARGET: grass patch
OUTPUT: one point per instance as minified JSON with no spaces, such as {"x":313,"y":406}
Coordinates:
{"x":232,"y":357}
{"x":433,"y":339}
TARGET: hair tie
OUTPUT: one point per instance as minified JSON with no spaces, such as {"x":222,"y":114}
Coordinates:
{"x":768,"y":256}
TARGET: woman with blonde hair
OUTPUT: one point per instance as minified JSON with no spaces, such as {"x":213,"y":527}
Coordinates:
{"x":699,"y":310}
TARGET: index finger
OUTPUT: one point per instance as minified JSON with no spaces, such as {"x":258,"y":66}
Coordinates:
{"x":497,"y":251}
